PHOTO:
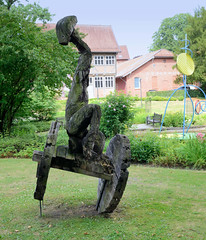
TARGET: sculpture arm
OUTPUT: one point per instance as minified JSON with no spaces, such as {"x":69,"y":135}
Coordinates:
{"x":79,"y":43}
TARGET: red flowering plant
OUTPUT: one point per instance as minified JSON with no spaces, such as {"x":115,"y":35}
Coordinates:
{"x":201,"y":137}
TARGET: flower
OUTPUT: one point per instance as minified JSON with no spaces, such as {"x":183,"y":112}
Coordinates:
{"x":114,"y":109}
{"x":200,"y":135}
{"x":109,"y":105}
{"x":123,"y":106}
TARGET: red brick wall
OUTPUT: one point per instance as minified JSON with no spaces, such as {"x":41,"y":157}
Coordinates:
{"x":156,"y":74}
{"x":121,"y":85}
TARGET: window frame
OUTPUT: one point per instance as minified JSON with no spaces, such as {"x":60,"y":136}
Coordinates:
{"x":109,"y":60}
{"x":135,"y":79}
{"x":109,"y":82}
{"x":98,"y":82}
{"x":99,"y":60}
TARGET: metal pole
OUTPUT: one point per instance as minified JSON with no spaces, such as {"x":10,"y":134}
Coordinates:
{"x":141,"y":91}
{"x":40,"y":208}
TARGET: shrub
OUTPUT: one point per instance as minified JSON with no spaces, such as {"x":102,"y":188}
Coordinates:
{"x":42,"y":106}
{"x":117,"y":114}
{"x":166,"y":94}
{"x":174,"y":119}
{"x":144,"y":148}
{"x":158,"y":98}
{"x":190,"y":153}
{"x":24,"y":139}
{"x":21,"y":146}
{"x":193,"y":152}
{"x":139,"y":116}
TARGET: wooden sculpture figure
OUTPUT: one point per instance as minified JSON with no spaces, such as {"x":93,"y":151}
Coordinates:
{"x":86,"y":143}
{"x":80,"y":114}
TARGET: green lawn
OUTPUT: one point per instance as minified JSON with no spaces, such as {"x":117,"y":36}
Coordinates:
{"x":158,"y":203}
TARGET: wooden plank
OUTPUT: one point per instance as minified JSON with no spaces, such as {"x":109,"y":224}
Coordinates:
{"x":45,"y":160}
{"x":93,"y":169}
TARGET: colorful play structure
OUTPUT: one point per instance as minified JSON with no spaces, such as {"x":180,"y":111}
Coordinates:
{"x":186,"y":66}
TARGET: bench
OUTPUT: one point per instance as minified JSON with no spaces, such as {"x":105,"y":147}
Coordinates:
{"x":156,"y":118}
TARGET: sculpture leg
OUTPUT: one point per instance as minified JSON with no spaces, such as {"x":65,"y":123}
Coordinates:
{"x":91,"y":139}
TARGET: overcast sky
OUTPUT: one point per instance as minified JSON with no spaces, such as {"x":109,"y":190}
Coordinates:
{"x":133,"y":21}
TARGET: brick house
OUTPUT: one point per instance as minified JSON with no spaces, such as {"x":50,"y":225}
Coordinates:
{"x":112,"y":69}
{"x":150,"y":72}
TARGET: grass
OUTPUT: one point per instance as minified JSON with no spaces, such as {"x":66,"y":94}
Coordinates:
{"x":158,"y":203}
{"x":61,"y":105}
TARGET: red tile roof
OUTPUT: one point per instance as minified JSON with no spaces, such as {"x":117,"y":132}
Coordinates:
{"x":99,"y":38}
{"x":124,"y":54}
{"x":164,"y":53}
{"x":127,"y":67}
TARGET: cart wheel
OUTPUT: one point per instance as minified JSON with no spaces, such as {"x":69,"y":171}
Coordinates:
{"x":110,"y":192}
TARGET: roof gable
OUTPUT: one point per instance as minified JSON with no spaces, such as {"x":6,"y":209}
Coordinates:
{"x":123,"y":54}
{"x":125,"y":68}
{"x":100,"y":38}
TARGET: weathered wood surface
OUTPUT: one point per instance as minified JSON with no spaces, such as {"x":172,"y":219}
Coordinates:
{"x":110,"y":192}
{"x":45,"y":161}
{"x":77,"y":163}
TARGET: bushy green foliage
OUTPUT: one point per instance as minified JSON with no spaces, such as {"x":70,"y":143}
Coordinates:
{"x":174,"y":119}
{"x":164,"y":95}
{"x":196,"y":33}
{"x":170,"y":33}
{"x":169,"y":152}
{"x":139,"y":116}
{"x":179,"y":95}
{"x":27,"y":137}
{"x":30,"y":128}
{"x":190,"y":153}
{"x":193,"y":153}
{"x":29,"y":58}
{"x":117,"y":114}
{"x":41,"y":107}
{"x":21,"y":146}
{"x":144,"y":148}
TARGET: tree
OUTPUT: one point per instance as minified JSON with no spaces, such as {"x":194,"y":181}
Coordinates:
{"x":8,"y":3}
{"x":30,"y":59}
{"x":170,"y":32}
{"x":196,"y":33}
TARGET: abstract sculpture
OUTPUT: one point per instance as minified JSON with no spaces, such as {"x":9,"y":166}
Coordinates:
{"x":86,"y":143}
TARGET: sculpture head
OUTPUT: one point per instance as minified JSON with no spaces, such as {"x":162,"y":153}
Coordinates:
{"x":65,"y":28}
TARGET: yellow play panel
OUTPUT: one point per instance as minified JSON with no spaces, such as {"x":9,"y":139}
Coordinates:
{"x":185,"y":64}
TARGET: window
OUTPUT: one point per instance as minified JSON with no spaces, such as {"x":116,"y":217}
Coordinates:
{"x":90,"y":81}
{"x":98,"y":82}
{"x":137,"y":83}
{"x":109,"y":82}
{"x":109,"y":60}
{"x":98,"y":60}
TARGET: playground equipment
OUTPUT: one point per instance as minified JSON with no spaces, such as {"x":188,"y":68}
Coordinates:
{"x":185,"y":65}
